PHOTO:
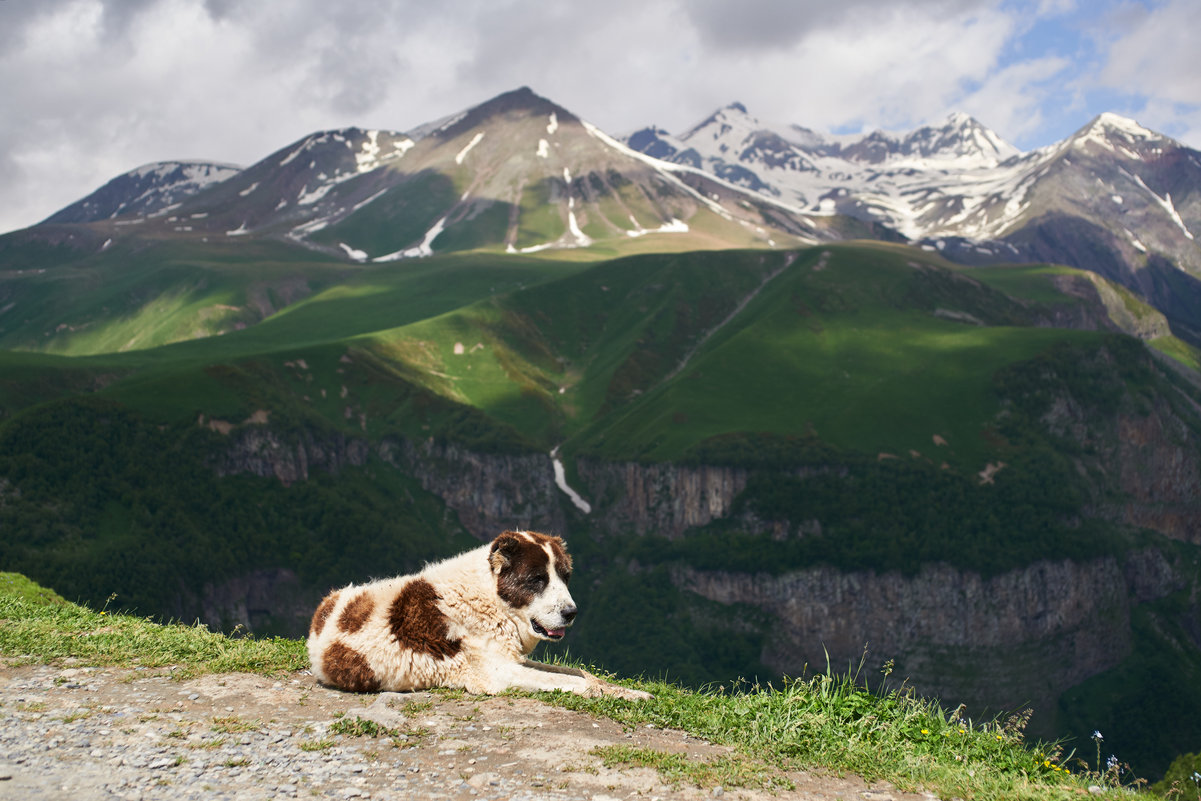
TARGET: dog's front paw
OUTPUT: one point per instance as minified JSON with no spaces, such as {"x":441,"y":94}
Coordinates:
{"x":626,"y":693}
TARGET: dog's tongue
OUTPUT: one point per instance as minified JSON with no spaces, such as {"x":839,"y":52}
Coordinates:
{"x":556,"y":632}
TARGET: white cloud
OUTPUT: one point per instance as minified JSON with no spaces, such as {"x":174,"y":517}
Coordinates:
{"x":1009,"y":100}
{"x":1158,"y":54}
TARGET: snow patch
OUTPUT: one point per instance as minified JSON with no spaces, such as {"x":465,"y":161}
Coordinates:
{"x":422,"y":250}
{"x":475,"y":140}
{"x":367,"y":159}
{"x":241,"y":230}
{"x":309,"y":198}
{"x":553,"y":125}
{"x":249,"y":189}
{"x":674,"y":226}
{"x":1139,"y":246}
{"x":581,"y":239}
{"x":1166,"y":203}
{"x":543,"y":149}
{"x":353,"y":253}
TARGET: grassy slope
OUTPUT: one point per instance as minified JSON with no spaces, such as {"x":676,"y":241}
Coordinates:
{"x":827,"y":722}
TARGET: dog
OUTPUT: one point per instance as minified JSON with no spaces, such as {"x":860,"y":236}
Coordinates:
{"x":466,"y":622}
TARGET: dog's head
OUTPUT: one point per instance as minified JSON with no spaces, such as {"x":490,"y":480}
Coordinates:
{"x":532,"y":571}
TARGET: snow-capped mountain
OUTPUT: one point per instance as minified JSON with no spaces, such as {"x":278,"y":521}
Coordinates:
{"x":299,"y":183}
{"x":517,"y":173}
{"x":147,"y":190}
{"x":521,"y":173}
{"x":1114,"y":198}
{"x":888,"y":178}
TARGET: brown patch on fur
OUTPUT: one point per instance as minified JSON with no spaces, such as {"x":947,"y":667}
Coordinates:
{"x":418,"y":624}
{"x":348,"y":669}
{"x":322,"y":614}
{"x":356,"y":613}
{"x":522,"y":567}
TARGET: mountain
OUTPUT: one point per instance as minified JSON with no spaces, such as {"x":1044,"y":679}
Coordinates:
{"x":148,"y":190}
{"x":517,"y":173}
{"x":1114,"y":197}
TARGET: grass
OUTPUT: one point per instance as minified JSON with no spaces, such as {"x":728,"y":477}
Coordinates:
{"x":38,"y":626}
{"x":825,"y":722}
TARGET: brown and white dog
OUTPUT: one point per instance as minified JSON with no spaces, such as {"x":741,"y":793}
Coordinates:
{"x":466,"y":622}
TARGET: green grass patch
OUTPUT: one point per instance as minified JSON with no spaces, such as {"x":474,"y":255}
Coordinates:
{"x":359,"y":727}
{"x":38,"y":626}
{"x":1034,"y":282}
{"x":830,"y":722}
{"x":1178,"y":349}
{"x":677,"y":768}
{"x":540,"y":221}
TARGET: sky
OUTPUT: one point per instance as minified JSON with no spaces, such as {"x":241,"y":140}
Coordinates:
{"x":90,"y":89}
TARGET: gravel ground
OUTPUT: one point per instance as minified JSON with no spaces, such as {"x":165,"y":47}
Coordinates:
{"x":86,"y":734}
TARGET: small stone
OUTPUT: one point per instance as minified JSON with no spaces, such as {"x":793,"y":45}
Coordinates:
{"x":1095,"y":790}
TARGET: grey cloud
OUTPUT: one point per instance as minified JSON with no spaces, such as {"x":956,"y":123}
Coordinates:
{"x":757,"y":24}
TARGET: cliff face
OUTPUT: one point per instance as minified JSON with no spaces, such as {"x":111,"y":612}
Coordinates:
{"x":266,"y":602}
{"x":490,"y":492}
{"x":1146,"y":466}
{"x":1016,"y":639}
{"x":263,"y":451}
{"x":1160,"y":472}
{"x":665,"y":499}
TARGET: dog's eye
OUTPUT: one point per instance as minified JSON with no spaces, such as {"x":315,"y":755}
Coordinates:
{"x":537,"y":583}
{"x":567,"y":577}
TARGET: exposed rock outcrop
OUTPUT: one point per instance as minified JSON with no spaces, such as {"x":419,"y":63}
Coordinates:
{"x":490,"y":492}
{"x":1012,"y":640}
{"x":263,"y":451}
{"x":266,"y":602}
{"x":665,"y":499}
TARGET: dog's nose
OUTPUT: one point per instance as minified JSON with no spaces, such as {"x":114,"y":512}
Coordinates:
{"x":568,"y":613}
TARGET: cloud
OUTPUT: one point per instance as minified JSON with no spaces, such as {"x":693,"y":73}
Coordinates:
{"x":755,"y":24}
{"x":1157,"y":53}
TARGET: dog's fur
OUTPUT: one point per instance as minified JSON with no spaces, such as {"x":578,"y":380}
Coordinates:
{"x":466,"y":622}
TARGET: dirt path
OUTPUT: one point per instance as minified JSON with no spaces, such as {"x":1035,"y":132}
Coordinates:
{"x":96,"y":733}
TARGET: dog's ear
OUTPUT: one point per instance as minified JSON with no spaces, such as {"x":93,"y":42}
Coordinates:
{"x":504,"y":549}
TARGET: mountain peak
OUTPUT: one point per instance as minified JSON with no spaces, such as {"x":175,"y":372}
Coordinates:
{"x":1110,"y":131}
{"x":520,"y":101}
{"x":1109,"y":121}
{"x":146,"y":190}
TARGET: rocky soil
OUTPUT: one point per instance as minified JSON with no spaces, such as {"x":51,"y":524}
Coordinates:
{"x":87,"y":734}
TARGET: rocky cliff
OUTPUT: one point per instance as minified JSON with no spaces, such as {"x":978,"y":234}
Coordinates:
{"x":664,"y":499}
{"x":489,"y":492}
{"x":1017,"y":639}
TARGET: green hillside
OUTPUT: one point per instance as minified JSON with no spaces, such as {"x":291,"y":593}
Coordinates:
{"x":174,"y":418}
